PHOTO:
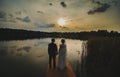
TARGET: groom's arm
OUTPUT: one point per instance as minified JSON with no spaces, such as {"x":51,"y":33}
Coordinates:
{"x":48,"y":49}
{"x":56,"y":49}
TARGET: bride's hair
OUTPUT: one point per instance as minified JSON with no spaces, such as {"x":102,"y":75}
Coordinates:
{"x":63,"y":41}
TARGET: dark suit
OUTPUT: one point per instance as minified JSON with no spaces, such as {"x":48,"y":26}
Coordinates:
{"x":52,"y":49}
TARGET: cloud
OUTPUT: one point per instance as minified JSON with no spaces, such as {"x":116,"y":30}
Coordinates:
{"x":101,"y":7}
{"x":18,"y":12}
{"x":115,"y":2}
{"x":42,"y":25}
{"x":41,"y":12}
{"x":25,"y":19}
{"x":2,"y":14}
{"x":63,"y":4}
{"x":6,"y":17}
{"x":50,"y":4}
{"x":11,"y":15}
{"x":26,"y":48}
{"x":18,"y":18}
{"x":50,"y":25}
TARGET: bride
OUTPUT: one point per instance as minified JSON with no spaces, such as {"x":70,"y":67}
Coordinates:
{"x":62,"y":55}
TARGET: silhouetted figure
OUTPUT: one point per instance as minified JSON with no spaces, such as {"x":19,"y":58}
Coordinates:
{"x":62,"y":55}
{"x":52,"y":49}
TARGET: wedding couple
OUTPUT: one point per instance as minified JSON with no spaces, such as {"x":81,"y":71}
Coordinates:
{"x":52,"y":51}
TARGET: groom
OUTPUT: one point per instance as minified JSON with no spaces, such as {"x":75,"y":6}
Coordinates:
{"x":52,"y":49}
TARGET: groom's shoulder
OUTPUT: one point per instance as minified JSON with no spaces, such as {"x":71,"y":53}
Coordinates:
{"x":49,"y":44}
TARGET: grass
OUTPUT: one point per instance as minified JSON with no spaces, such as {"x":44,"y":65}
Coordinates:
{"x":103,"y":56}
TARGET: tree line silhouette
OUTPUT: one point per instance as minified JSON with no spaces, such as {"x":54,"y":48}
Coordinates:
{"x":19,"y":34}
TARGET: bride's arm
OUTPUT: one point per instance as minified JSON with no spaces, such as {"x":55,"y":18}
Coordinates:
{"x":59,"y":48}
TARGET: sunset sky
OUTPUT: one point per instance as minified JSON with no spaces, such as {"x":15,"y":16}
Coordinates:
{"x":44,"y":15}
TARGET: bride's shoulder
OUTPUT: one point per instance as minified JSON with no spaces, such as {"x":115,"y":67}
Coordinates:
{"x":62,"y":44}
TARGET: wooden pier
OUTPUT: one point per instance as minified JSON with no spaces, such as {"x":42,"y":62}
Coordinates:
{"x":67,"y":72}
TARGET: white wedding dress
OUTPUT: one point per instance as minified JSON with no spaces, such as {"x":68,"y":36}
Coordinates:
{"x":62,"y":56}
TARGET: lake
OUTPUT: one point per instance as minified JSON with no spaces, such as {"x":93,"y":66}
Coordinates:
{"x":29,"y":58}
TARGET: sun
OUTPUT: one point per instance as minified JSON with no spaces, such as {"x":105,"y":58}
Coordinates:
{"x":61,"y":22}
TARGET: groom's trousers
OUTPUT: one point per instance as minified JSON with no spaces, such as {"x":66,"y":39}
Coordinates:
{"x":52,"y":57}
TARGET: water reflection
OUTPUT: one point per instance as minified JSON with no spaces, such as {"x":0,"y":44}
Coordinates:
{"x":29,"y":58}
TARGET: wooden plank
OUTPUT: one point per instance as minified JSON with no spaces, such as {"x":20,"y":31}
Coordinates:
{"x":68,"y":72}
